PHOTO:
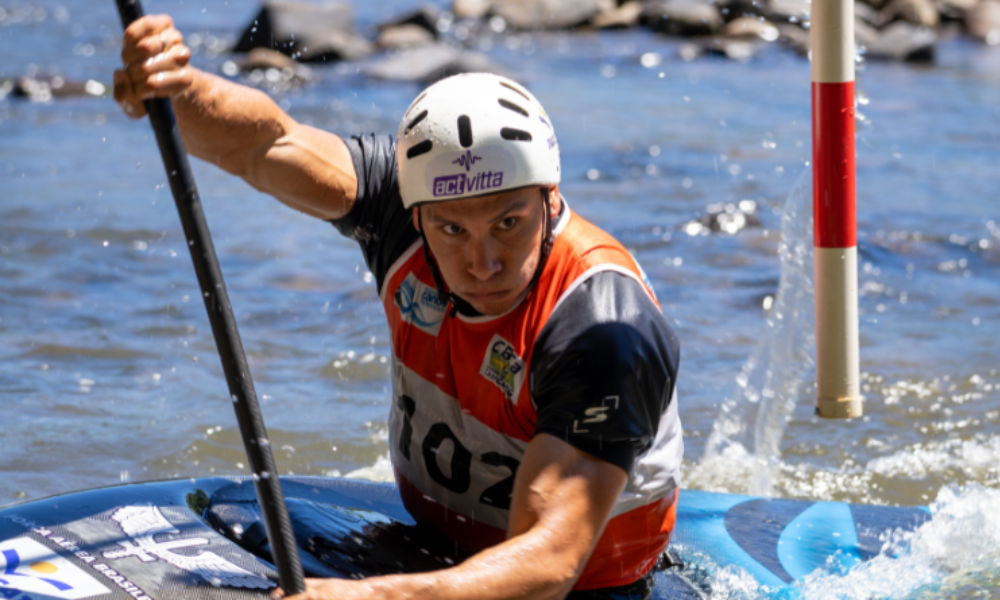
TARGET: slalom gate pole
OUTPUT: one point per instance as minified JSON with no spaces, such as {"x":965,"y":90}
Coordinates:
{"x":835,"y":258}
{"x":227,"y":337}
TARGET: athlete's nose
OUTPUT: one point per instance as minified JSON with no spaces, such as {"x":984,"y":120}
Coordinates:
{"x":484,"y":259}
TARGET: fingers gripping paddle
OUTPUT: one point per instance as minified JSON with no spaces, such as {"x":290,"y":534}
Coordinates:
{"x":227,"y":337}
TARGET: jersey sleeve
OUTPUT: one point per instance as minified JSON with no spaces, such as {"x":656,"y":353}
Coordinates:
{"x":603,"y":369}
{"x":377,"y":221}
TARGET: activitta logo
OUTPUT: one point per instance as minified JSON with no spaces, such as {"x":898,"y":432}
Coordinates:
{"x":483,"y":170}
{"x":503,"y":367}
{"x":453,"y":185}
{"x":466,"y":160}
{"x":39,"y":572}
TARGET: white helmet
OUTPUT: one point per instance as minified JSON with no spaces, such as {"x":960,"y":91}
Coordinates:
{"x":474,"y":134}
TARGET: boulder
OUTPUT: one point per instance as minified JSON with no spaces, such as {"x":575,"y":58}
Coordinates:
{"x":548,"y":14}
{"x":733,"y":49}
{"x":868,"y":14}
{"x":864,"y":34}
{"x":796,"y":37}
{"x":427,"y":64}
{"x":917,"y":12}
{"x":983,"y":22}
{"x":682,"y":17}
{"x":954,"y":10}
{"x":44,"y":87}
{"x":425,"y":17}
{"x":306,"y":32}
{"x":787,"y":11}
{"x":902,"y":41}
{"x":265,"y":59}
{"x":751,"y":28}
{"x":404,"y":35}
{"x":619,"y":17}
{"x":471,"y":9}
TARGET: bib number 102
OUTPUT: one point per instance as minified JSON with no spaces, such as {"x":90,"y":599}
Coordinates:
{"x":497,"y":495}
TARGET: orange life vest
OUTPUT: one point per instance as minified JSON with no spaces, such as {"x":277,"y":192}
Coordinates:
{"x":463,"y":416}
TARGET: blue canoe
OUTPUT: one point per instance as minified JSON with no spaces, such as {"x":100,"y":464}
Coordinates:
{"x":203,"y":538}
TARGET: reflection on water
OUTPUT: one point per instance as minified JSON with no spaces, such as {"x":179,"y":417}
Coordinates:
{"x":108,"y":370}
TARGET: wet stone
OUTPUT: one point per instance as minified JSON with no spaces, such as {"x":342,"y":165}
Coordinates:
{"x":548,"y":14}
{"x":306,"y":32}
{"x":983,"y":22}
{"x":471,"y":9}
{"x":794,"y":11}
{"x":619,"y":17}
{"x":917,"y":12}
{"x":404,"y":35}
{"x":682,"y":17}
{"x":44,"y":87}
{"x":426,"y":17}
{"x":427,"y":64}
{"x":751,"y":28}
{"x":903,"y":42}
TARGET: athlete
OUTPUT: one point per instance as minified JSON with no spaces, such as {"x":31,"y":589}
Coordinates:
{"x":533,"y":416}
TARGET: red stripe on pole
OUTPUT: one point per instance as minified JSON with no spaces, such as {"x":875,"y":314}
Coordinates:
{"x":833,"y":163}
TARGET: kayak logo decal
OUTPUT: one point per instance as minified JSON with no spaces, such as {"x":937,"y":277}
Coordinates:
{"x":33,"y":569}
{"x":503,"y":367}
{"x":420,"y":305}
{"x":143,"y":523}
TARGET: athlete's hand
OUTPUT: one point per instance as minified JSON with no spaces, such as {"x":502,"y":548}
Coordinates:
{"x":156,"y":64}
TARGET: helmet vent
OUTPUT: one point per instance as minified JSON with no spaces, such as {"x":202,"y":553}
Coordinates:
{"x":414,"y":122}
{"x":422,"y":148}
{"x":514,"y":89}
{"x":515,"y":135}
{"x":513,"y":107}
{"x":464,"y":131}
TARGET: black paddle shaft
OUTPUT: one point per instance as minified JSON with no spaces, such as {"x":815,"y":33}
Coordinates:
{"x":227,"y":337}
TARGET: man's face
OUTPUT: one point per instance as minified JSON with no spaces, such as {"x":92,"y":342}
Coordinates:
{"x":488,"y":247}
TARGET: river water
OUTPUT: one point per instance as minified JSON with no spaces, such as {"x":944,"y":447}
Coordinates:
{"x":108,"y":371}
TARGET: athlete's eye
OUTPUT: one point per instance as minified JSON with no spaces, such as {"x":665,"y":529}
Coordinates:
{"x":507,"y":223}
{"x":451,"y":229}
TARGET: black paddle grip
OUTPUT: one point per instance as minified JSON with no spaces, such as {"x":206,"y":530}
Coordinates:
{"x":227,"y":337}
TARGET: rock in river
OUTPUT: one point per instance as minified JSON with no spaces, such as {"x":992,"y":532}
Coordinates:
{"x":427,"y":64}
{"x":983,"y":22}
{"x":306,"y":32}
{"x":902,"y":41}
{"x":682,"y":17}
{"x":548,"y":14}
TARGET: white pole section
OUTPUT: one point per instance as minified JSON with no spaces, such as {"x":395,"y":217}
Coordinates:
{"x":838,"y":390}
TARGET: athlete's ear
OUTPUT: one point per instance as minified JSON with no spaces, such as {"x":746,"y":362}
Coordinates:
{"x":416,"y":218}
{"x":555,"y":202}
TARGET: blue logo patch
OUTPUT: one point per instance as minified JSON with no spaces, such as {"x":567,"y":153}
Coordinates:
{"x":419,"y":305}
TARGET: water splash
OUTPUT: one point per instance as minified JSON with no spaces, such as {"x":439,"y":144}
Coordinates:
{"x":956,"y":554}
{"x":743,"y":449}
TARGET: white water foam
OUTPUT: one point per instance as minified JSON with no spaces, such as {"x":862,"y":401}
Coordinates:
{"x":743,"y":451}
{"x":954,"y":554}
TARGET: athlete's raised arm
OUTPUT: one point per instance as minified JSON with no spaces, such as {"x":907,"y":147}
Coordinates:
{"x":562,"y":499}
{"x":238,"y":128}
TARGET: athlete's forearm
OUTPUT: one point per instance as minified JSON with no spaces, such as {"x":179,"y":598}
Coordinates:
{"x":225,"y":123}
{"x":530,"y":566}
{"x":244,"y":132}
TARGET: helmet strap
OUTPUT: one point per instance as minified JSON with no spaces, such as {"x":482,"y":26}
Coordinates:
{"x":443,"y":294}
{"x":548,"y":238}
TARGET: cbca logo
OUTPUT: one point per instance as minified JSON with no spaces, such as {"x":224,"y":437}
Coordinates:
{"x":31,"y":568}
{"x":503,"y":367}
{"x":419,"y":305}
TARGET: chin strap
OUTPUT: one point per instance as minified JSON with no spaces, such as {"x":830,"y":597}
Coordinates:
{"x":548,"y":239}
{"x":443,"y":294}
